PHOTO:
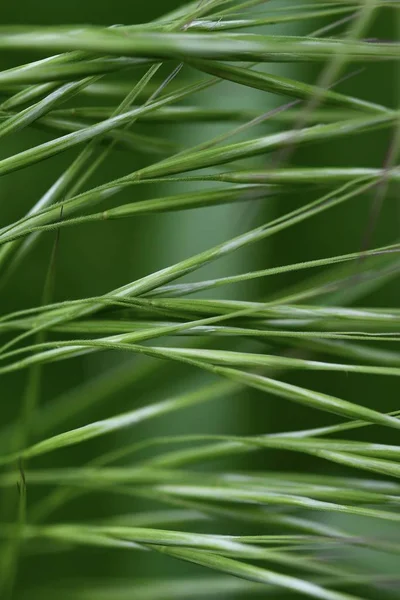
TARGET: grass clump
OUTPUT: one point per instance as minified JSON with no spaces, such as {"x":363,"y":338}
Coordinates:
{"x":303,"y":498}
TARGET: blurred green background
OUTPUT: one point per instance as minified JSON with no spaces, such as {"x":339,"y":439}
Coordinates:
{"x":96,"y":258}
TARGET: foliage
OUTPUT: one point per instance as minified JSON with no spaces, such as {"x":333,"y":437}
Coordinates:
{"x":272,"y":528}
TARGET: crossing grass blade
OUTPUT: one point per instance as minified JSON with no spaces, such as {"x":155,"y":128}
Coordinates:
{"x":283,"y":86}
{"x":247,"y":47}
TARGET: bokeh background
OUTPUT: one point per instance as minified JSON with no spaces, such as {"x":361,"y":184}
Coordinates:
{"x":93,"y":259}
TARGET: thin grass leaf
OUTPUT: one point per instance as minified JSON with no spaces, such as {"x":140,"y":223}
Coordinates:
{"x":31,"y":114}
{"x":131,"y":418}
{"x":272,"y":19}
{"x":53,"y":147}
{"x":257,"y":496}
{"x":284,"y":86}
{"x":248,"y":47}
{"x":299,"y":176}
{"x":246,"y":360}
{"x":249,"y":572}
{"x":65,"y":69}
{"x":226,"y":545}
